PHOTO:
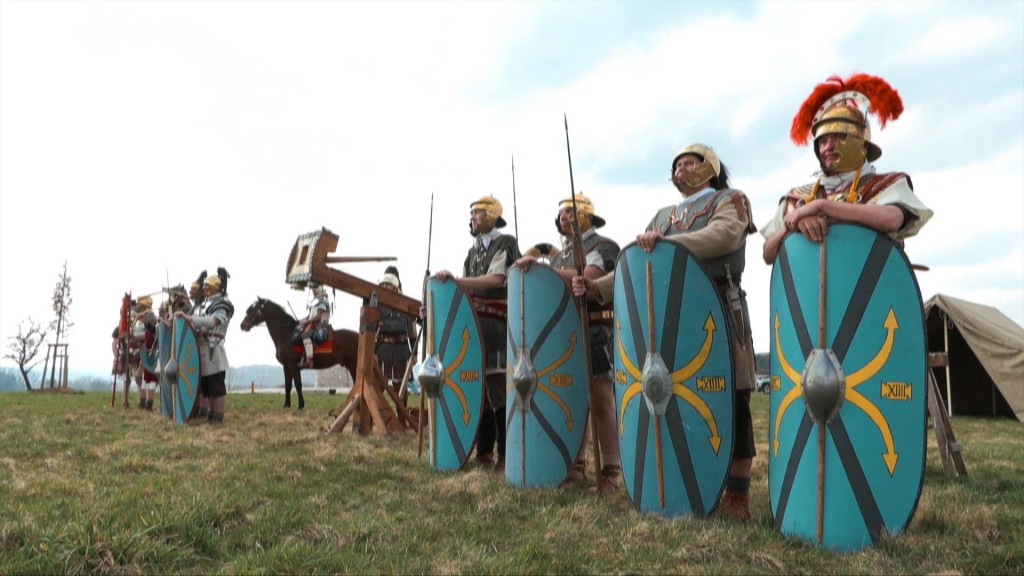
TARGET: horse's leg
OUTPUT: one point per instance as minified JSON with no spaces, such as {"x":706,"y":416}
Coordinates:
{"x":287,"y":386}
{"x":298,"y":388}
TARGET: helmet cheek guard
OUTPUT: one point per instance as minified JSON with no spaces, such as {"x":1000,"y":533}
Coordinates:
{"x":709,"y":167}
{"x":856,"y":148}
{"x":852,"y":151}
{"x":584,"y":214}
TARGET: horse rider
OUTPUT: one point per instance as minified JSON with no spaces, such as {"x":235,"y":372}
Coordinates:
{"x":313,"y":329}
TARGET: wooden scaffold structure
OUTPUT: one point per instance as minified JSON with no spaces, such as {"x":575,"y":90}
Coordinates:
{"x":366,"y":407}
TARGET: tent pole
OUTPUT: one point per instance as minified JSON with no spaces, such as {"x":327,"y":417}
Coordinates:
{"x":945,"y":343}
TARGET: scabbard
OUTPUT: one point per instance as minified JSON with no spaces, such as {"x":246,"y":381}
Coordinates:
{"x":734,"y":297}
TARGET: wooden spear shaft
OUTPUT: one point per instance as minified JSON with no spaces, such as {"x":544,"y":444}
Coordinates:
{"x":657,"y":421}
{"x":820,"y":520}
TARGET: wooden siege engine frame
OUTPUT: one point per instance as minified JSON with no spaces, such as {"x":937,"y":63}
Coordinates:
{"x":366,"y":404}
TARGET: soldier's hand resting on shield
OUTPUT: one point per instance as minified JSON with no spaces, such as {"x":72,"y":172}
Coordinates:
{"x":647,"y":239}
{"x":524,"y":263}
{"x":809,"y":220}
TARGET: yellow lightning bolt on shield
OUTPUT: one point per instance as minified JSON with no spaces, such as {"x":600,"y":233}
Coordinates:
{"x":857,"y":399}
{"x":853,"y":396}
{"x":189,"y":372}
{"x":551,"y":368}
{"x":557,"y":363}
{"x":792,"y":394}
{"x":678,"y":377}
{"x":455,"y":364}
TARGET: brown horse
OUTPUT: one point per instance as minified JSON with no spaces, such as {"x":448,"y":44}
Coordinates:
{"x":281,"y":326}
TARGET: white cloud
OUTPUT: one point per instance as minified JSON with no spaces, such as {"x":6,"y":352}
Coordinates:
{"x":962,"y":35}
{"x":142,"y":141}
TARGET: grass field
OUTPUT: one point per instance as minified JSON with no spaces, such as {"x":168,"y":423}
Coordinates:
{"x":87,"y":488}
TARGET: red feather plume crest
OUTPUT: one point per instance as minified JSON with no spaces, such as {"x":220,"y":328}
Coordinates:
{"x":876,"y":93}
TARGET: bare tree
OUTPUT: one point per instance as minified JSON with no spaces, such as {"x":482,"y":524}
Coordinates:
{"x":24,"y":347}
{"x":62,"y":308}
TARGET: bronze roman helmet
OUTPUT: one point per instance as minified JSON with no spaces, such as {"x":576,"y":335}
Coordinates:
{"x":709,"y":168}
{"x":492,"y":207}
{"x":845,"y":119}
{"x":211,"y":285}
{"x":839,"y":106}
{"x":144,"y":303}
{"x":219,"y":283}
{"x":585,"y":210}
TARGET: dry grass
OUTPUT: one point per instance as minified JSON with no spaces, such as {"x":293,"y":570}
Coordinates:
{"x":91,"y":489}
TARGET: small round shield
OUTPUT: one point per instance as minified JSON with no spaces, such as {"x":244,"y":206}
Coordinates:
{"x":548,"y":379}
{"x":455,"y":343}
{"x":843,"y":472}
{"x":673,"y":381}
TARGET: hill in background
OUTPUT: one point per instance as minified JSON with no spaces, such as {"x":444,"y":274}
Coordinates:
{"x":242,"y":378}
{"x":259,"y":376}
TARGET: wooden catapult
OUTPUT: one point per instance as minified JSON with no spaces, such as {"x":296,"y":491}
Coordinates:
{"x":366,"y":404}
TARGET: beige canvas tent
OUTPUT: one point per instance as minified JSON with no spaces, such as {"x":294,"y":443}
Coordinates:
{"x":985,"y":375}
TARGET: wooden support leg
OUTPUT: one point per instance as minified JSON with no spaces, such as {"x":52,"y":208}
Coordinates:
{"x":350,"y":405}
{"x":339,"y":423}
{"x":384,"y":420}
{"x":375,"y":412}
{"x":406,"y":420}
{"x":949,"y":448}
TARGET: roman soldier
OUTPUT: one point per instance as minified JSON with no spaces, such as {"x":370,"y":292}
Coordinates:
{"x":712,"y":220}
{"x":144,"y":335}
{"x":211,"y":326}
{"x":484,"y":278}
{"x":847,"y":187}
{"x":314,"y":328}
{"x":599,"y":253}
{"x":395,"y":331}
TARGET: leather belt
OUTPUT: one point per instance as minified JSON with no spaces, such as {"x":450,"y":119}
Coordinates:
{"x":494,"y":308}
{"x":392,"y":338}
{"x":601,"y":317}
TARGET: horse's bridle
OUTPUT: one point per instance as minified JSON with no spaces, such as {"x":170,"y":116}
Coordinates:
{"x":257,"y":313}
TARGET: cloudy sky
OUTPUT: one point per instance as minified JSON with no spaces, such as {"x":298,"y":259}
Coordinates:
{"x":141,"y":141}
